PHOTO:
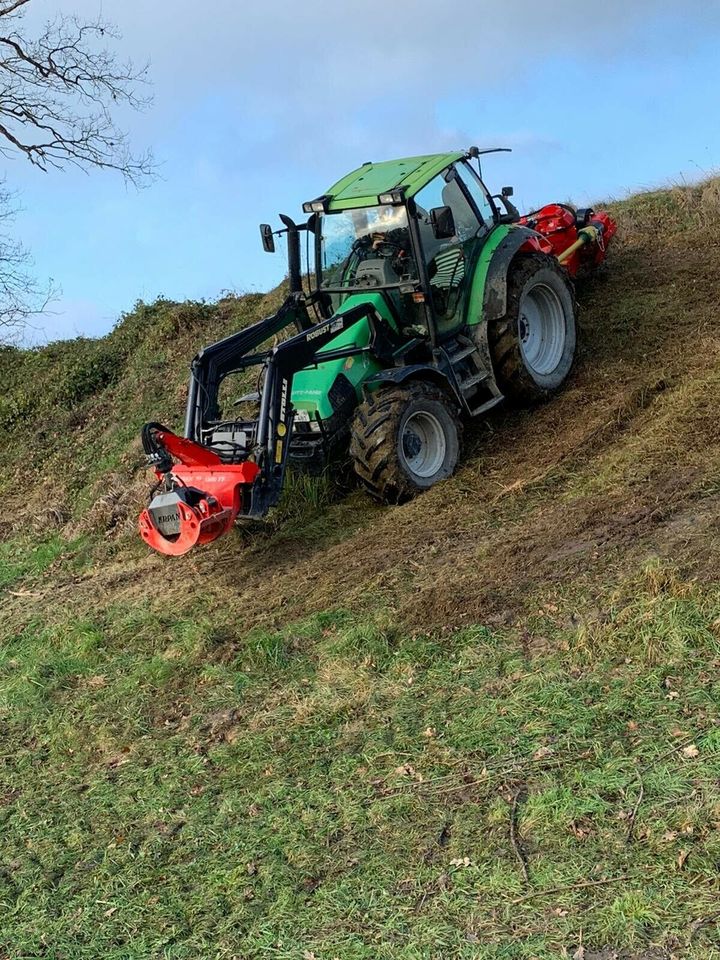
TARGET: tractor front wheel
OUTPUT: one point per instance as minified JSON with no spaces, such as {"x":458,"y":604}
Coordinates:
{"x":404,"y":440}
{"x":533,"y":345}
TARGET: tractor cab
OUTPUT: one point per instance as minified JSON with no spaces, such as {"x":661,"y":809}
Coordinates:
{"x":415,"y":241}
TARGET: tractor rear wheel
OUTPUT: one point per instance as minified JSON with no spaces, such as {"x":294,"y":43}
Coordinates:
{"x":533,"y":345}
{"x":404,"y":440}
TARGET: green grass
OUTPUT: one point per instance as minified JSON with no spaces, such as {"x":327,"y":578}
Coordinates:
{"x":172,"y":787}
{"x":70,"y":410}
{"x":193,"y":767}
{"x":28,"y":558}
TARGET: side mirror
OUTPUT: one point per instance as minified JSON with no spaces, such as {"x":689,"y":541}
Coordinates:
{"x":512,"y":214}
{"x":443,"y":223}
{"x":268,"y":240}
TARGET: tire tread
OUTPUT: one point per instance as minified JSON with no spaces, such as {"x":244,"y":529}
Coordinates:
{"x":373,"y":440}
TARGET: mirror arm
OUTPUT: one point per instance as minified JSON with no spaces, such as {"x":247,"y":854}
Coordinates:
{"x":512,"y":213}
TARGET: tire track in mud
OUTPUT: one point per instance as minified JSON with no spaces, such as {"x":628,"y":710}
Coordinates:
{"x":590,"y":481}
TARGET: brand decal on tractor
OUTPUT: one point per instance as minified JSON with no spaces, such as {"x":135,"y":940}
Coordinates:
{"x":430,"y":301}
{"x":283,"y":401}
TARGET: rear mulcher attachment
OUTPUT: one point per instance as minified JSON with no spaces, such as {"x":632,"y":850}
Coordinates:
{"x":433,"y":301}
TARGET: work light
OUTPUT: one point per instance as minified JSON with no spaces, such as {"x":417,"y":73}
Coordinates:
{"x":393,"y":197}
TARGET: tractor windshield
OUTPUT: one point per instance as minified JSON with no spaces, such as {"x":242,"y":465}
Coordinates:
{"x":368,"y":247}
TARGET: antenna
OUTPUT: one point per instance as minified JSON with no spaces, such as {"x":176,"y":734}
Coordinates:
{"x":475,"y":153}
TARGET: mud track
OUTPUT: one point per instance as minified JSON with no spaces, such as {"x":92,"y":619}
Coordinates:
{"x":622,"y":466}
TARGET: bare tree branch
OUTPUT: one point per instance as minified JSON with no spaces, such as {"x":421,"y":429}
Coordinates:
{"x":59,"y":93}
{"x":21,"y":296}
{"x":8,"y":7}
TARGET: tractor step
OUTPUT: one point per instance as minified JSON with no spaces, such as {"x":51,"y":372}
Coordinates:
{"x":484,"y":407}
{"x":462,"y":354}
{"x":472,"y":382}
{"x":468,"y":381}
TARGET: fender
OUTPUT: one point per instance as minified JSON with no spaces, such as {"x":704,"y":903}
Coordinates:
{"x":399,"y":375}
{"x":488,"y":294}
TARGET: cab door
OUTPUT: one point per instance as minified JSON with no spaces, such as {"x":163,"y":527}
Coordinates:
{"x":449,"y":262}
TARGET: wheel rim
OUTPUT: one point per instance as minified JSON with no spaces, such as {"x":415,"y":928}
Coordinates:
{"x":542,"y":329}
{"x":423,"y":445}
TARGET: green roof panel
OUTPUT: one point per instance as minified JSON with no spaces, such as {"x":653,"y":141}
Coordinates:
{"x":361,"y":187}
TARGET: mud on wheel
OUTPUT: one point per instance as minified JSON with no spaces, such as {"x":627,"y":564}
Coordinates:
{"x":404,"y":440}
{"x":533,"y":345}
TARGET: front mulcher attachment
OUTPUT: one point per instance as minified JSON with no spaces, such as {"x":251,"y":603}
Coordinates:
{"x":197,"y":499}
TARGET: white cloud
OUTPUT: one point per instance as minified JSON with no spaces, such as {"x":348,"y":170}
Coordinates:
{"x":294,"y":80}
{"x":282,"y":56}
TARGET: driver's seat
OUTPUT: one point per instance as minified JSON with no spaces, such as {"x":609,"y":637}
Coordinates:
{"x":375,"y":273}
{"x":447,"y":269}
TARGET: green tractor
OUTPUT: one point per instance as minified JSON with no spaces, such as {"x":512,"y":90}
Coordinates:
{"x":431,"y":301}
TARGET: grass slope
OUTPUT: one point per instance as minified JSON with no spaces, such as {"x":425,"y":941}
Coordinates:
{"x":483,"y":725}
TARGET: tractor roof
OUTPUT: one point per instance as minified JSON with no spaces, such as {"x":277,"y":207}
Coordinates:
{"x":361,"y":187}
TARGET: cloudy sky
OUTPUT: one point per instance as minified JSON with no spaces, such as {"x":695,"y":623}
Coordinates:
{"x":259,"y":106}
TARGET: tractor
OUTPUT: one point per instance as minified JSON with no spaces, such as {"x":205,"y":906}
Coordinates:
{"x":426,"y":301}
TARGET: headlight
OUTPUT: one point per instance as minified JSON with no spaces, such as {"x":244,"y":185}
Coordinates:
{"x":316,"y":206}
{"x":394,"y":197}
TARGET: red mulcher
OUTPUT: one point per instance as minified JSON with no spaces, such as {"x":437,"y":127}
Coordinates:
{"x":205,"y":497}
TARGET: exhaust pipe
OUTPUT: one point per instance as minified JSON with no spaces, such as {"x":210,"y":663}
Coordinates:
{"x":293,"y":252}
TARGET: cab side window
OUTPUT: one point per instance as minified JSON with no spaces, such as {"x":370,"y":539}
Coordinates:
{"x":477,"y":192}
{"x":445,"y":258}
{"x":448,"y":193}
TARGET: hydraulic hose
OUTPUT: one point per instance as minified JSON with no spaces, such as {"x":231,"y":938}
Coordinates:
{"x":157,"y":455}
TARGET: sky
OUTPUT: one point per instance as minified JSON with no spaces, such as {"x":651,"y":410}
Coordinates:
{"x":259,"y":106}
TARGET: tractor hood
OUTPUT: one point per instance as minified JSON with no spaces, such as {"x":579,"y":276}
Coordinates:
{"x":312,"y":389}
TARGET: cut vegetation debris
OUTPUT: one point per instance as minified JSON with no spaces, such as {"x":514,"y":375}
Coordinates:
{"x":480,"y":725}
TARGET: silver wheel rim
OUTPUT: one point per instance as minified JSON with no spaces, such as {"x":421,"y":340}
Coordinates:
{"x":542,"y":329}
{"x":423,"y":445}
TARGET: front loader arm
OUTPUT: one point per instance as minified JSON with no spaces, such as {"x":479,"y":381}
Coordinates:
{"x":276,"y":411}
{"x":213,"y":363}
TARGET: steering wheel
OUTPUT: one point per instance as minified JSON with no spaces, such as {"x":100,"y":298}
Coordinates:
{"x":388,"y":248}
{"x":384,"y":248}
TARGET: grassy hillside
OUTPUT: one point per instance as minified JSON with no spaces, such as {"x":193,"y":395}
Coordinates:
{"x":482,"y":725}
